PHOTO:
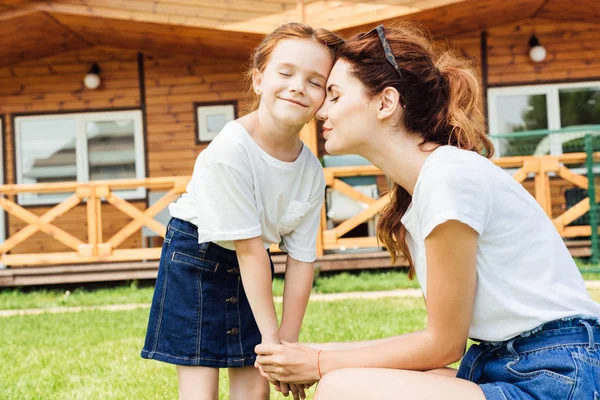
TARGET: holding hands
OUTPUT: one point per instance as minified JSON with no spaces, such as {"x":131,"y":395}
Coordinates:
{"x":292,"y":364}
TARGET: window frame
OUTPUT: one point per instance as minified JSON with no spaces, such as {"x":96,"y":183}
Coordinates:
{"x":81,"y":149}
{"x":552,"y":105}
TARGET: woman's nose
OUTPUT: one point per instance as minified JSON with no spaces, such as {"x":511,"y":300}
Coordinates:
{"x":321,"y":114}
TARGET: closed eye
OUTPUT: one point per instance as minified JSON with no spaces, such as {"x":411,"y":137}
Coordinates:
{"x":317,"y":84}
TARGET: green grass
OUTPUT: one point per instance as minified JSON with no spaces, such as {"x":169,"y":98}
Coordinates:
{"x":95,"y":355}
{"x":133,"y":293}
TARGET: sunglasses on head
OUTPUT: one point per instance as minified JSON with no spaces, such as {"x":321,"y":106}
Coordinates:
{"x":389,"y":54}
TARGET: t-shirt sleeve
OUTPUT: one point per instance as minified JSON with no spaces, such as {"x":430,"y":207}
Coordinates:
{"x":226,"y":205}
{"x":453,"y":194}
{"x":301,"y":243}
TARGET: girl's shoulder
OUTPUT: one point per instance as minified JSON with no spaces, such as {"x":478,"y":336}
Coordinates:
{"x":230,"y":143}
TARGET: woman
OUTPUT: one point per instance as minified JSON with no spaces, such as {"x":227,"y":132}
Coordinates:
{"x":490,"y":263}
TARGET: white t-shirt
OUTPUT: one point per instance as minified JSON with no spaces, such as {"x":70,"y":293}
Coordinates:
{"x":525,"y":274}
{"x":238,"y":191}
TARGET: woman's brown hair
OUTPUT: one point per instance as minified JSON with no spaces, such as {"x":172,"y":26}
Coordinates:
{"x":293,"y":30}
{"x":438,"y":93}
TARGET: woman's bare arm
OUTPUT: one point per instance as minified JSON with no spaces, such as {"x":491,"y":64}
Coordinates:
{"x":451,"y":251}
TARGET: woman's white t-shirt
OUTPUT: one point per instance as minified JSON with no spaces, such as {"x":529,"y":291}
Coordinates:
{"x":525,"y":274}
{"x":238,"y":191}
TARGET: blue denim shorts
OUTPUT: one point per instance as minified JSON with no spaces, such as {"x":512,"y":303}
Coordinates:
{"x":559,"y":360}
{"x":200,"y":315}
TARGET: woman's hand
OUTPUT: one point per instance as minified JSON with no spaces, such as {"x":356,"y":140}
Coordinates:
{"x":288,"y":362}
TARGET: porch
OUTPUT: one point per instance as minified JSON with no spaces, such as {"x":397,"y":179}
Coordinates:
{"x":101,"y":254}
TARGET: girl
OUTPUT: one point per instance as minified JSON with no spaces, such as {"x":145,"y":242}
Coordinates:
{"x":490,"y":262}
{"x":256,"y":184}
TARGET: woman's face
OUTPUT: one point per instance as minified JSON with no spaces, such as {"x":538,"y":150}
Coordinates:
{"x":292,"y":84}
{"x":348,"y":114}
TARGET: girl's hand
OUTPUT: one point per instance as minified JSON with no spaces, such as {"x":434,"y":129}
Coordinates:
{"x":288,"y":362}
{"x":297,"y":390}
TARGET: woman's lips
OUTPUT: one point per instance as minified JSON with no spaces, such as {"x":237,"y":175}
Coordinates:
{"x":325,"y":132}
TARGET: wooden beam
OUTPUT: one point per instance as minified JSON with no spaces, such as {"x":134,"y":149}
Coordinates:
{"x":361,"y":217}
{"x":571,"y":214}
{"x":32,"y":219}
{"x":139,"y":218}
{"x":349,"y":191}
{"x":579,"y":180}
{"x":26,"y":260}
{"x":48,"y":217}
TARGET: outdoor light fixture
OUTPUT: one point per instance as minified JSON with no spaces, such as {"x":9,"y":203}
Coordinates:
{"x":537,"y":52}
{"x":92,"y":78}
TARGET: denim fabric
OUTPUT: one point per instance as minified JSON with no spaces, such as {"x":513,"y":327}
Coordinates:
{"x":559,"y":360}
{"x":200,"y":315}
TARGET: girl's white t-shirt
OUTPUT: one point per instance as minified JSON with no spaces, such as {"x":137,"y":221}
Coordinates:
{"x":525,"y":274}
{"x":238,"y":191}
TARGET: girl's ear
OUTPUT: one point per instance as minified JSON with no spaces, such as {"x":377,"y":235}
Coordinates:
{"x":257,"y":81}
{"x":388,"y":102}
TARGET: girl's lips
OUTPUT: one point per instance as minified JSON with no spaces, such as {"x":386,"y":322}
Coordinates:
{"x":325,"y":132}
{"x":294,"y":102}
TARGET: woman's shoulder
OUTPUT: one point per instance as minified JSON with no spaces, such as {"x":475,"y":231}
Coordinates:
{"x":448,"y":163}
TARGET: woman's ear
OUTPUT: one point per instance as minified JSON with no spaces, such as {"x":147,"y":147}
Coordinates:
{"x":388,"y":102}
{"x":257,"y":81}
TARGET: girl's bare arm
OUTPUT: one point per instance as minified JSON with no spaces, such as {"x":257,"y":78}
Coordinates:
{"x":255,"y":269}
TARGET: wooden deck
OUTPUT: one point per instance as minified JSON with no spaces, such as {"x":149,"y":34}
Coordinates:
{"x":104,"y":272}
{"x":93,"y":253}
{"x":49,"y":275}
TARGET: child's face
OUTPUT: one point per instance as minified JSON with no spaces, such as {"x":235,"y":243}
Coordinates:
{"x":292,"y":84}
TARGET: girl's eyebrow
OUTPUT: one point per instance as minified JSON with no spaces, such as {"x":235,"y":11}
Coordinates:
{"x":290,"y":65}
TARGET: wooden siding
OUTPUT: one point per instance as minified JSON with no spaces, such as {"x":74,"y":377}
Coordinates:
{"x":39,"y":28}
{"x":173,"y":84}
{"x":573,"y":52}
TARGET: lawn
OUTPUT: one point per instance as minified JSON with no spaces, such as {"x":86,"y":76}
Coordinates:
{"x":134,"y":292}
{"x":142,"y":293}
{"x":95,"y":354}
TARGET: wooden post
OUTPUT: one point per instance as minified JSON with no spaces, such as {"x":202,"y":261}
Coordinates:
{"x":92,"y":221}
{"x":308,"y":135}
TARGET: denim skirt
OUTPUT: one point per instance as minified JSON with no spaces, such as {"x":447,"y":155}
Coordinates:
{"x":559,"y":360}
{"x":200,"y":315}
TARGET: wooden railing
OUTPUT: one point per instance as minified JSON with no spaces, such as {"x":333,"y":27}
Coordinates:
{"x":98,"y":249}
{"x":538,"y":167}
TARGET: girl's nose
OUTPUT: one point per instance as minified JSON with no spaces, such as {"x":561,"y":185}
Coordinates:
{"x":297,"y":86}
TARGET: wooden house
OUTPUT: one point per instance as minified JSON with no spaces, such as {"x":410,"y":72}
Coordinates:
{"x":85,"y":170}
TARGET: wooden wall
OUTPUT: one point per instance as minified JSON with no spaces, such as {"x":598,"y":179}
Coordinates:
{"x":174,"y":82}
{"x":172,"y":85}
{"x":573,"y":52}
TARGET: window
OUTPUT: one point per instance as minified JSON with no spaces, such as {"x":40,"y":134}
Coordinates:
{"x":78,"y":147}
{"x":568,"y":107}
